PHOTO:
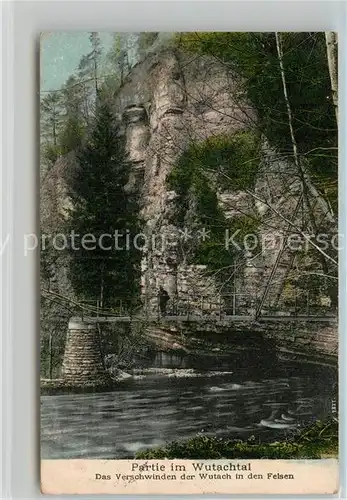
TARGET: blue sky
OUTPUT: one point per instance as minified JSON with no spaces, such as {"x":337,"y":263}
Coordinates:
{"x":61,"y":53}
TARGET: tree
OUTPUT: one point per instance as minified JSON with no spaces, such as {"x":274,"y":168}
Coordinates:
{"x":74,"y":122}
{"x":331,"y":43}
{"x":117,"y":56}
{"x":147,"y":40}
{"x":51,"y":119}
{"x":89,"y":66}
{"x":285,"y":77}
{"x":123,"y":55}
{"x":103,"y":271}
{"x":254,"y":57}
{"x":51,"y":114}
{"x":307,"y":186}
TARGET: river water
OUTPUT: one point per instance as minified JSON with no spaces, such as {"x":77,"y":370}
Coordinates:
{"x":145,"y":412}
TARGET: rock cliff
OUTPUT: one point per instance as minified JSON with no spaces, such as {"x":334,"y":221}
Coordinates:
{"x":169,"y":103}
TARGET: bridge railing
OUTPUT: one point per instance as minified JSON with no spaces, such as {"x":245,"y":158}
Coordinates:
{"x":302,"y":303}
{"x":204,"y":306}
{"x":231,"y":304}
{"x":234,"y":304}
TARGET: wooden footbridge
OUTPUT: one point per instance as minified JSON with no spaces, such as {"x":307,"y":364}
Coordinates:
{"x":83,"y":363}
{"x":224,"y":309}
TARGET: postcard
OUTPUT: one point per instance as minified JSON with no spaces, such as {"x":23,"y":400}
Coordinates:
{"x":189,"y":262}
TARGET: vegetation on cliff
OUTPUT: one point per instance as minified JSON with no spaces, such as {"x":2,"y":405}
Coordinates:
{"x":100,"y":216}
{"x":67,"y":113}
{"x":218,"y":164}
{"x":285,"y":78}
{"x":254,"y":56}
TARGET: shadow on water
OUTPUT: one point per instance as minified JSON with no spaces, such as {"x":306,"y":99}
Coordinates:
{"x":151,"y":410}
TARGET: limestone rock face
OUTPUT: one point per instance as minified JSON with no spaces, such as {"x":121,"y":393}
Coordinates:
{"x":178,"y":100}
{"x":187,"y":99}
{"x":54,"y":207}
{"x":54,"y":198}
{"x":137,"y":132}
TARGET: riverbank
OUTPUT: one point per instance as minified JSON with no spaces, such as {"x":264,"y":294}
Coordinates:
{"x":56,"y":386}
{"x":303,"y":342}
{"x":316,"y":441}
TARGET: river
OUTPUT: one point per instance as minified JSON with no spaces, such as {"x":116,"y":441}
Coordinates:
{"x":151,"y":410}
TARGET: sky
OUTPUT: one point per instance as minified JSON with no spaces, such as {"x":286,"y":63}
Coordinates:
{"x":61,"y":53}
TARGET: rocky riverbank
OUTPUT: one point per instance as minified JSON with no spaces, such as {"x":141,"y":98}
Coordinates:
{"x":316,"y":441}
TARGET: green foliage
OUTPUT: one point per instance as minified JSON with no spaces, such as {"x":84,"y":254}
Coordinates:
{"x":109,"y":88}
{"x":51,"y":118}
{"x":51,"y":114}
{"x":101,"y":206}
{"x":116,"y":53}
{"x":50,"y":153}
{"x":71,"y":135}
{"x":312,"y":442}
{"x":64,"y":118}
{"x":220,"y":162}
{"x":89,"y":66}
{"x":253,"y":56}
{"x":122,"y":55}
{"x":208,"y":448}
{"x":234,"y":159}
{"x":53,"y":321}
{"x":73,"y":97}
{"x":73,"y":122}
{"x":147,"y":38}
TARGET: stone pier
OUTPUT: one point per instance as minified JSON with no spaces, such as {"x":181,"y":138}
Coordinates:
{"x":83,"y":364}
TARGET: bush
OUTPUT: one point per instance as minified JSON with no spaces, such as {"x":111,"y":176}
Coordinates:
{"x":218,"y":163}
{"x":312,"y":442}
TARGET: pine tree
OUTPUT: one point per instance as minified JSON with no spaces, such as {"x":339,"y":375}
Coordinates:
{"x":74,"y":124}
{"x":117,"y":56}
{"x":89,"y":67}
{"x":50,"y":122}
{"x":123,"y":55}
{"x":101,"y":207}
{"x":51,"y":115}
